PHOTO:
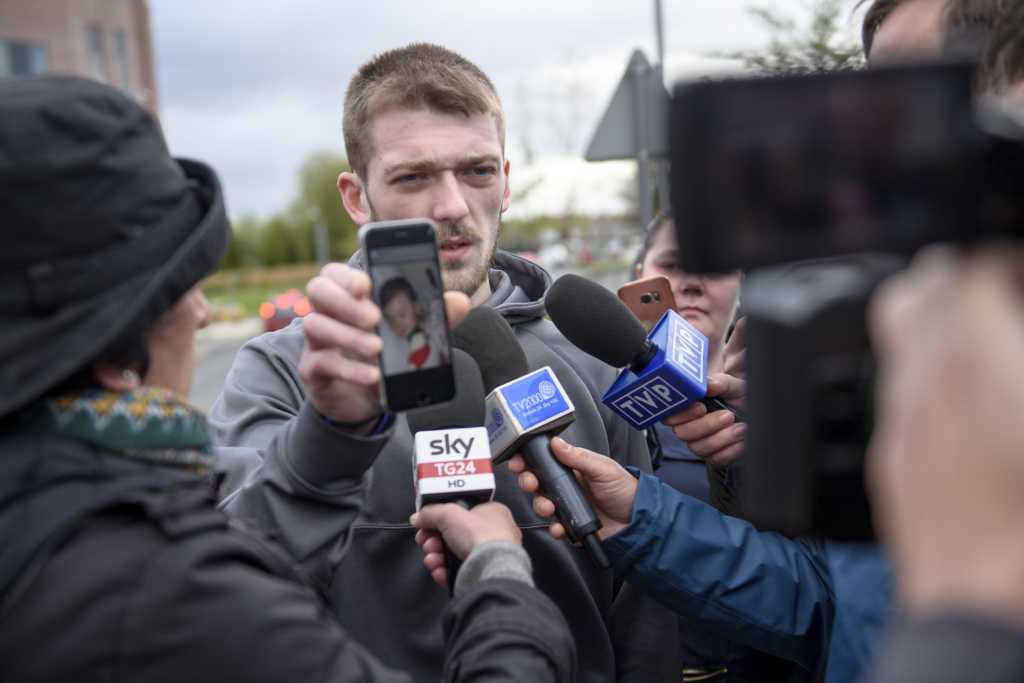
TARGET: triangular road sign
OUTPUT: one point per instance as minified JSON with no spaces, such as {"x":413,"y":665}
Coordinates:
{"x":635,"y":118}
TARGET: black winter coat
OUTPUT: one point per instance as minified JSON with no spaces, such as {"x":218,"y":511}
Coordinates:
{"x":116,"y":570}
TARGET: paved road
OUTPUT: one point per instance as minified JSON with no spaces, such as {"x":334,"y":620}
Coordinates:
{"x":216,"y":347}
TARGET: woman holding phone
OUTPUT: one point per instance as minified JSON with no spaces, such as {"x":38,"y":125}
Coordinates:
{"x":709,"y":303}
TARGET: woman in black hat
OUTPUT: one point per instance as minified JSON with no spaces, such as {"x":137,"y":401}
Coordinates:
{"x":116,"y":565}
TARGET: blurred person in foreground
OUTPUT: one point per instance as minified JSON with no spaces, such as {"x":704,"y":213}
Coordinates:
{"x":425,"y":136}
{"x":820,"y":604}
{"x":955,"y":539}
{"x":116,"y":564}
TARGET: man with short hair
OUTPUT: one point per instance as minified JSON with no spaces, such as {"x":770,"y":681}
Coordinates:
{"x":424,"y":131}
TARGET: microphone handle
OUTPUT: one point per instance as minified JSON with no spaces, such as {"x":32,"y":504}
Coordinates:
{"x":713,"y":404}
{"x":451,"y":560}
{"x":558,"y":483}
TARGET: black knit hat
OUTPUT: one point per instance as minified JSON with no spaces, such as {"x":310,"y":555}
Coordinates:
{"x":101,"y":229}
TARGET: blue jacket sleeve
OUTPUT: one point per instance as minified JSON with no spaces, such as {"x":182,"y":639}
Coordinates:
{"x":757,"y":588}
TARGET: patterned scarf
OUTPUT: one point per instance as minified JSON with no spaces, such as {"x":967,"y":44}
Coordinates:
{"x":155,"y":425}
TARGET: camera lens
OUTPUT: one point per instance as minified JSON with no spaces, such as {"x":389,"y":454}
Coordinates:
{"x":645,"y":298}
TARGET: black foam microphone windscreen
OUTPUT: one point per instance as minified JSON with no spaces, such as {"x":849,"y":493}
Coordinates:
{"x":595,"y":320}
{"x":465,"y":410}
{"x":488,"y":338}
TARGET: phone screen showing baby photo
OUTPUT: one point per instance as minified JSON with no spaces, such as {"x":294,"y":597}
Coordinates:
{"x":416,"y":350}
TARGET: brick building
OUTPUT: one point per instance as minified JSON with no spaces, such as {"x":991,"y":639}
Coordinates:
{"x":108,"y":40}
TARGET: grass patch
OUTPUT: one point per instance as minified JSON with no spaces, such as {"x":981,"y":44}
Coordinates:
{"x":236,"y":294}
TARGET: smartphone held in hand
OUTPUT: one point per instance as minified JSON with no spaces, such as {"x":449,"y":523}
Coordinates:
{"x":415,"y":362}
{"x":648,"y":298}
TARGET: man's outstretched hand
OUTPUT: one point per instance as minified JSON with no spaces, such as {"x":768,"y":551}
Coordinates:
{"x":339,"y":366}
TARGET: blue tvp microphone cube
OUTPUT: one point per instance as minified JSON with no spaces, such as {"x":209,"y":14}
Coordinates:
{"x":673,"y":379}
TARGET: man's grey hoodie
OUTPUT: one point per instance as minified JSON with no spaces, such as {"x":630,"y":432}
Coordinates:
{"x":295,"y":469}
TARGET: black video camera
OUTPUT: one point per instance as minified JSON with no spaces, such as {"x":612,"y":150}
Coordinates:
{"x":820,"y":187}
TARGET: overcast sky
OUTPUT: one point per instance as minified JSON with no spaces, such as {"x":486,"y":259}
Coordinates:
{"x":253,"y":88}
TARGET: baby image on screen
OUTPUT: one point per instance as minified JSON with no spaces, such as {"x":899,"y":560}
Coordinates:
{"x":407,"y":346}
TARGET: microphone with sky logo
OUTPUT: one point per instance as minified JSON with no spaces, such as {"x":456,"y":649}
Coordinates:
{"x":524,"y":410}
{"x":452,"y":454}
{"x":664,"y":371}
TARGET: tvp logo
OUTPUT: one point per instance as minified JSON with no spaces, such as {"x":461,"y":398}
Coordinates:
{"x":644,"y":403}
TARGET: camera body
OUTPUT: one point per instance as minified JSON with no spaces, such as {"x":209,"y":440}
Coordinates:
{"x":820,"y":187}
{"x":810,"y":395}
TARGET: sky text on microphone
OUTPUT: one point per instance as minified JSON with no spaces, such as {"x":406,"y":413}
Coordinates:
{"x":451,"y":463}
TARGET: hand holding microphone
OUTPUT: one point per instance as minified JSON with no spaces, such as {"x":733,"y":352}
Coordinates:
{"x":524,"y":409}
{"x":457,"y":530}
{"x":609,"y":487}
{"x":715,"y":436}
{"x":663,"y":372}
{"x":452,"y":469}
{"x":665,"y":375}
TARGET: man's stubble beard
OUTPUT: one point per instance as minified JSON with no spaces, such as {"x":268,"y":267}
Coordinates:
{"x":468,"y":281}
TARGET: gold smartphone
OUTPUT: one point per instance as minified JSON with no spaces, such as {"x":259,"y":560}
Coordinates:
{"x":648,"y":298}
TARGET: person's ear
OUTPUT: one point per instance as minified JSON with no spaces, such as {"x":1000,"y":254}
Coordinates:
{"x":507,"y":197}
{"x":354,"y":198}
{"x":116,"y":379}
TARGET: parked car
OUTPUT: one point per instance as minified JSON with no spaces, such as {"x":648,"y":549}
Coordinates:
{"x":528,"y":255}
{"x":553,"y":256}
{"x":280,"y":310}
